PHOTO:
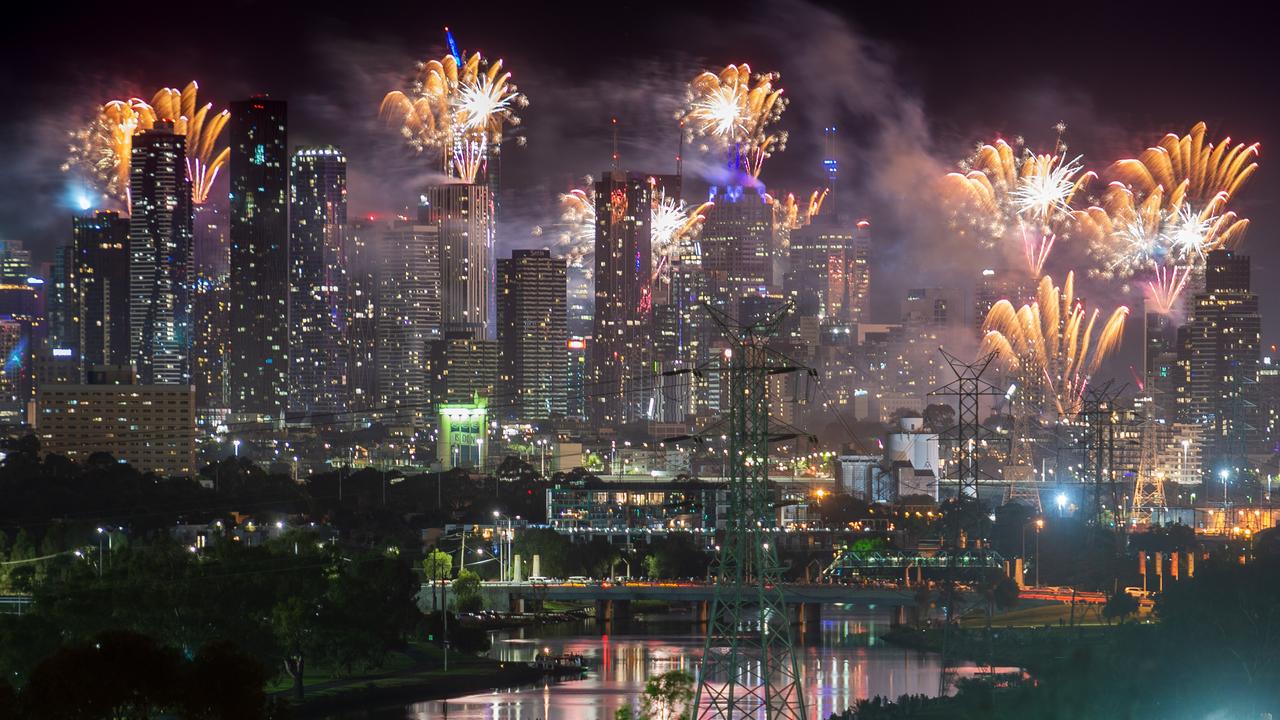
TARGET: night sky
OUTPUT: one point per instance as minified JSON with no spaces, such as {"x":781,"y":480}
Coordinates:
{"x":912,"y":87}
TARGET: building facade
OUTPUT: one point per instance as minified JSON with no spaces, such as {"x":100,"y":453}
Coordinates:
{"x":463,"y":216}
{"x":102,"y":258}
{"x":532,"y":335}
{"x":152,"y":427}
{"x":258,"y":368}
{"x":318,"y":292}
{"x":408,"y":318}
{"x":160,"y":258}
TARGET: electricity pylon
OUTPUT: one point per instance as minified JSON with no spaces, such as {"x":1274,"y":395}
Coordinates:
{"x":1148,"y":485}
{"x":749,"y":666}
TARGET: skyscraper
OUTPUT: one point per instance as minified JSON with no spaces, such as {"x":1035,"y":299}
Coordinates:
{"x":160,"y":258}
{"x":463,"y":215}
{"x":621,"y":345}
{"x":257,"y":380}
{"x":62,"y":303}
{"x":101,"y":246}
{"x":408,"y":307}
{"x":362,"y":239}
{"x":829,"y":273}
{"x":737,"y":240}
{"x":532,"y":335}
{"x":1224,"y":346}
{"x":211,"y":306}
{"x":317,"y":281}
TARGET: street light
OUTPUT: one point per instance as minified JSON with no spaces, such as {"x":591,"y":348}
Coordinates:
{"x":1224,"y":474}
{"x":101,"y":532}
{"x":1061,"y":502}
{"x":236,"y":445}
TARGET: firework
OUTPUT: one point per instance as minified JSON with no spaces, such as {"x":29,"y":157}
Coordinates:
{"x":1050,"y":341}
{"x":1129,"y":235}
{"x":732,"y":111}
{"x":459,"y":110}
{"x":788,"y":214}
{"x":103,"y":150}
{"x":1167,"y":287}
{"x":1187,"y":169}
{"x":1168,"y":206}
{"x":1006,"y":194}
{"x":578,"y":218}
{"x":673,"y":223}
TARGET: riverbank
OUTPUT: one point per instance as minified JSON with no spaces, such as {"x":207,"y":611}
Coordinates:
{"x":1035,"y":649}
{"x":417,"y":683}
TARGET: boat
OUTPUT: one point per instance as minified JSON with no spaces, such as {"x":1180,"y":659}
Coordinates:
{"x":564,"y":665}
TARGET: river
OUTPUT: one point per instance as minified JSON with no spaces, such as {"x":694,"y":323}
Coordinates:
{"x":845,"y":662}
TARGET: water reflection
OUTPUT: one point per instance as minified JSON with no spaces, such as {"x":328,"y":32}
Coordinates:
{"x":842,"y":663}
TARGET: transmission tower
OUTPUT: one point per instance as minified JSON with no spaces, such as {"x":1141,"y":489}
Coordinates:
{"x":967,"y":388}
{"x":749,"y":666}
{"x":1148,"y":484}
{"x":1019,"y":471}
{"x":1100,"y":415}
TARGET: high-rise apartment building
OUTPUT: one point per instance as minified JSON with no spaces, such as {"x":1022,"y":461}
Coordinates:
{"x":737,"y":241}
{"x":408,"y":318}
{"x":102,"y":258}
{"x":621,"y":346}
{"x":1224,"y":346}
{"x":211,"y":305}
{"x":362,"y":263}
{"x":532,"y":335}
{"x":259,"y":358}
{"x":317,"y":281}
{"x":463,"y":216}
{"x":160,"y":258}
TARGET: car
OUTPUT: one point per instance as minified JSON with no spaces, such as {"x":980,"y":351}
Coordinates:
{"x":578,"y":580}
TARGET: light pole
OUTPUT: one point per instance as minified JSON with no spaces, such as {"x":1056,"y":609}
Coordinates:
{"x":1182,"y":469}
{"x":1061,"y":502}
{"x":100,"y":534}
{"x":1224,"y":474}
{"x":1039,"y":527}
{"x":502,"y":555}
{"x":236,"y":444}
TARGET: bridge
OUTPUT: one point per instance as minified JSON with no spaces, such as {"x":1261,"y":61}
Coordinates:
{"x":613,"y":598}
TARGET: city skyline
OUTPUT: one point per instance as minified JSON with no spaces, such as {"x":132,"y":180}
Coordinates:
{"x":908,"y":114}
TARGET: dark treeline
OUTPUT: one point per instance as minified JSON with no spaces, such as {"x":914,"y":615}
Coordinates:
{"x":1213,"y":653}
{"x":294,"y":605}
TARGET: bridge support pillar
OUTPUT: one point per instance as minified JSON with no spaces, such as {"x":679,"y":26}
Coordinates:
{"x":702,"y":611}
{"x":899,"y":616}
{"x":516,"y":604}
{"x":613,"y":612}
{"x":809,"y":617}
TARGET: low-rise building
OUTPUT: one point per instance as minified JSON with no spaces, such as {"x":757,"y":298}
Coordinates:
{"x":152,"y":427}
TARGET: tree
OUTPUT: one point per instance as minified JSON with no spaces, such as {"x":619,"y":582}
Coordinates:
{"x":223,"y":682}
{"x":1120,"y":605}
{"x":939,"y":417}
{"x":666,"y":697}
{"x":678,"y":555}
{"x":466,"y":592}
{"x":292,"y":621}
{"x":119,"y":674}
{"x":437,"y":566}
{"x":554,"y":550}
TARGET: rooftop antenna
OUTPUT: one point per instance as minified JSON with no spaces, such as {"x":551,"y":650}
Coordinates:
{"x":614,"y":122}
{"x":831,"y":166}
{"x":453,"y":46}
{"x":680,"y":151}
